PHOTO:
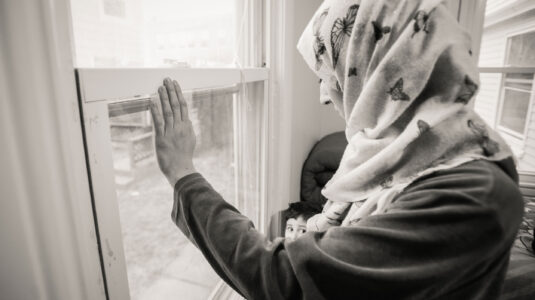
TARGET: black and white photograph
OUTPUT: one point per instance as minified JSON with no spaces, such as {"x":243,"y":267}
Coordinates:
{"x":267,"y":149}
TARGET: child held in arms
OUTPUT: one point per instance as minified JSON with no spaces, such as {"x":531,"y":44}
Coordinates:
{"x":296,"y":220}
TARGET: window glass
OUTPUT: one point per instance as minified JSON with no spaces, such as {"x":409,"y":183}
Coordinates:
{"x":515,"y":109}
{"x":516,"y":99}
{"x":161,"y":262}
{"x":154,"y":33}
{"x":521,"y":50}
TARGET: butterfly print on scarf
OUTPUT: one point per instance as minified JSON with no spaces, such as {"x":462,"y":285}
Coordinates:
{"x":342,"y":27}
{"x":319,"y":44}
{"x":423,"y":126}
{"x":379,"y":30}
{"x":352,"y":72}
{"x":386,"y":182}
{"x":396,"y":92}
{"x":338,"y":87}
{"x":489,"y":146}
{"x":467,"y":91}
{"x":332,"y":221}
{"x":421,"y":22}
{"x":354,"y":221}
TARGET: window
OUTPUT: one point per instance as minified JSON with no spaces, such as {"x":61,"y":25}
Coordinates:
{"x":517,"y":87}
{"x":507,"y":67}
{"x":120,"y":65}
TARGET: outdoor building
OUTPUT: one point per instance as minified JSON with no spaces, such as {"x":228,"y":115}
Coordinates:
{"x":505,"y":100}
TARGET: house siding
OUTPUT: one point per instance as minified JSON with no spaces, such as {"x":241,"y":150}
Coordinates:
{"x":493,"y":51}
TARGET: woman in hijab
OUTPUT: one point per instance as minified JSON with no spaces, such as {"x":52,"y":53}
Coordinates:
{"x":425,"y":204}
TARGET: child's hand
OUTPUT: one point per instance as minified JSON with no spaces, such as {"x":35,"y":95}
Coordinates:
{"x":175,"y":139}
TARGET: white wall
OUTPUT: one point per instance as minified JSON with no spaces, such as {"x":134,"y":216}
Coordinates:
{"x":310,"y":119}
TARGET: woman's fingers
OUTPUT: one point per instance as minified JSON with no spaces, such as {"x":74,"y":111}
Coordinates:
{"x":181,"y":101}
{"x":173,"y":99}
{"x":166,"y":109}
{"x":173,"y":107}
{"x":156,"y":116}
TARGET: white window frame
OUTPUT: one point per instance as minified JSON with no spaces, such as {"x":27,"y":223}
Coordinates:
{"x":501,"y":98}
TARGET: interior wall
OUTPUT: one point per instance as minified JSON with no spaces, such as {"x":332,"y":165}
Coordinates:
{"x":304,"y":98}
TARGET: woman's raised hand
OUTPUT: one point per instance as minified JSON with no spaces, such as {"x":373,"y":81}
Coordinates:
{"x":175,"y":139}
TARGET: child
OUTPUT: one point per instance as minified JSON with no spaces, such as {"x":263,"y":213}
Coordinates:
{"x":296,"y":219}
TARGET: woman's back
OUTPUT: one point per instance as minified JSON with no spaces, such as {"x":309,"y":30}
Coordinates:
{"x":447,"y":236}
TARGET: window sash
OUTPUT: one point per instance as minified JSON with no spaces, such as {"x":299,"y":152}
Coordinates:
{"x":132,"y":88}
{"x":132,"y":85}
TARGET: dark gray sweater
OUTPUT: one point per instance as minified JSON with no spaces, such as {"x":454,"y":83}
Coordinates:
{"x":447,"y":236}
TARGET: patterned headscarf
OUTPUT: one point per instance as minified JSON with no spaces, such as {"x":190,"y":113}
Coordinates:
{"x":401,"y":73}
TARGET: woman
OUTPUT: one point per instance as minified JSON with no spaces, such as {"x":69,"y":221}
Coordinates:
{"x":425,"y":204}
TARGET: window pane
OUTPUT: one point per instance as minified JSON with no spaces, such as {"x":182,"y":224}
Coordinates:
{"x":521,"y":50}
{"x":515,"y":109}
{"x":154,"y":33}
{"x":161,"y":262}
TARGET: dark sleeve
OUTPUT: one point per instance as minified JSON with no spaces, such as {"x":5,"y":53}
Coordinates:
{"x":247,"y":261}
{"x":440,"y":237}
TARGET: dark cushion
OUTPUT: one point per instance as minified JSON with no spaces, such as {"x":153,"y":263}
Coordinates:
{"x":320,"y":165}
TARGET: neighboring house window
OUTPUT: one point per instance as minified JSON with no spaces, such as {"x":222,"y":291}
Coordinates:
{"x":517,"y":88}
{"x":114,"y":8}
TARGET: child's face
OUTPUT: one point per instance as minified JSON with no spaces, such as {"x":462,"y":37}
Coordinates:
{"x":295,"y":228}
